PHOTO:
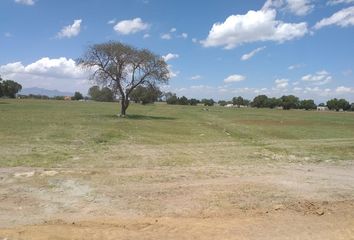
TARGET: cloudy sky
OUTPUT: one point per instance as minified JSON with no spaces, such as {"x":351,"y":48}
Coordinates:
{"x":219,"y":49}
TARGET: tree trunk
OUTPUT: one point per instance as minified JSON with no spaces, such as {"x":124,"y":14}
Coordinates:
{"x":124,"y":106}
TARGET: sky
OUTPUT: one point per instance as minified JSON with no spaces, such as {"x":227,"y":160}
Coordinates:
{"x":214,"y":48}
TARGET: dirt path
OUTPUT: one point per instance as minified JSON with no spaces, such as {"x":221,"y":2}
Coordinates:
{"x":280,"y":201}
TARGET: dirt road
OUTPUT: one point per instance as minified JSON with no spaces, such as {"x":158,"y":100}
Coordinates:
{"x":274,"y":201}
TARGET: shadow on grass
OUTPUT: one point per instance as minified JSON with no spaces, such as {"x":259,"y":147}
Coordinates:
{"x":147,"y":117}
{"x":140,"y":117}
{"x":4,"y":103}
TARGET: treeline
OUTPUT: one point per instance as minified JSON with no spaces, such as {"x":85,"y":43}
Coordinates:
{"x":262,"y":101}
{"x":77,"y":96}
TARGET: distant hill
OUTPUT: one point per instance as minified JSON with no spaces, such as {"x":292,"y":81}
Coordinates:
{"x":43,"y":91}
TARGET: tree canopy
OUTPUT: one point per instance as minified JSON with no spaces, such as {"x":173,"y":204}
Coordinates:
{"x":9,"y":88}
{"x":122,"y":68}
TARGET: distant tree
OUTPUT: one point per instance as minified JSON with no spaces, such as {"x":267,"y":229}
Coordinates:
{"x":107,"y":95}
{"x":101,"y":95}
{"x":77,"y":96}
{"x":344,"y":104}
{"x":307,"y":104}
{"x":1,"y":94}
{"x":171,"y":98}
{"x":352,"y":107}
{"x":338,"y":104}
{"x":260,"y":101}
{"x":290,"y":102}
{"x":10,"y":88}
{"x":238,"y":101}
{"x":273,"y":102}
{"x":207,"y":102}
{"x":222,"y":102}
{"x":146,"y":94}
{"x":193,"y":101}
{"x":94,"y":92}
{"x":122,"y":68}
{"x":183,"y":101}
{"x":58,"y":97}
{"x":321,"y":105}
{"x":246,"y":102}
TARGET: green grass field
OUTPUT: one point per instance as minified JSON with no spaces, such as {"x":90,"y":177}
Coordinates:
{"x":66,"y":134}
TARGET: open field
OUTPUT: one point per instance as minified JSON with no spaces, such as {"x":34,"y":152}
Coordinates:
{"x":74,"y":170}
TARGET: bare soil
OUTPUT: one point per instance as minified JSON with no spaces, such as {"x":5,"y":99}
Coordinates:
{"x":272,"y":201}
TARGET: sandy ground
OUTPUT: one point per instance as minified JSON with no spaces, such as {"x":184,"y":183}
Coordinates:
{"x":274,"y":201}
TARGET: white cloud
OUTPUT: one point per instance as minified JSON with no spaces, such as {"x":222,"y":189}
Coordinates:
{"x":166,"y":36}
{"x":195,"y":77}
{"x":25,"y":2}
{"x":295,"y":66}
{"x":170,"y":56}
{"x":112,"y":21}
{"x":299,"y":7}
{"x":254,"y":26}
{"x":335,"y":2}
{"x":194,"y":40}
{"x":70,"y":30}
{"x":127,"y":27}
{"x":252,"y":53}
{"x":172,"y":72}
{"x":234,"y":78}
{"x":319,"y":78}
{"x":56,"y":73}
{"x":173,"y":30}
{"x":343,"y":89}
{"x":342,"y":18}
{"x":184,"y":35}
{"x":281,"y":83}
{"x":146,"y":35}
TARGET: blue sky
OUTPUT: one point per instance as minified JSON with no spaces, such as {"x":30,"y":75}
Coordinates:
{"x":214,"y":48}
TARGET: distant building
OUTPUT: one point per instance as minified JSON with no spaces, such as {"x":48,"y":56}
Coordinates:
{"x":322,"y":109}
{"x":229,"y":105}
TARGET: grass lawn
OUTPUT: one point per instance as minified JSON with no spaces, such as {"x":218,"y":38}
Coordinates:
{"x":66,"y":134}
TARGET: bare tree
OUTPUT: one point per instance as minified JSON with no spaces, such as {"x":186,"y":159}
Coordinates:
{"x":122,"y":68}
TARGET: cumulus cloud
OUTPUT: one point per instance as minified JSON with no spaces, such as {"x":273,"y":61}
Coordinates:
{"x":184,"y":35}
{"x":297,"y":7}
{"x":194,"y":40}
{"x":25,"y":2}
{"x":253,"y":26}
{"x":342,"y":18}
{"x":146,"y":35}
{"x":343,"y":89}
{"x":112,"y":21}
{"x":234,"y":78}
{"x":319,"y":78}
{"x":172,"y":73}
{"x":70,"y":30}
{"x":252,"y":53}
{"x":166,"y":36}
{"x":195,"y":77}
{"x":295,"y":66}
{"x":170,"y":56}
{"x":52,"y":73}
{"x":281,"y":83}
{"x":173,"y":30}
{"x":335,"y":2}
{"x":127,"y":27}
